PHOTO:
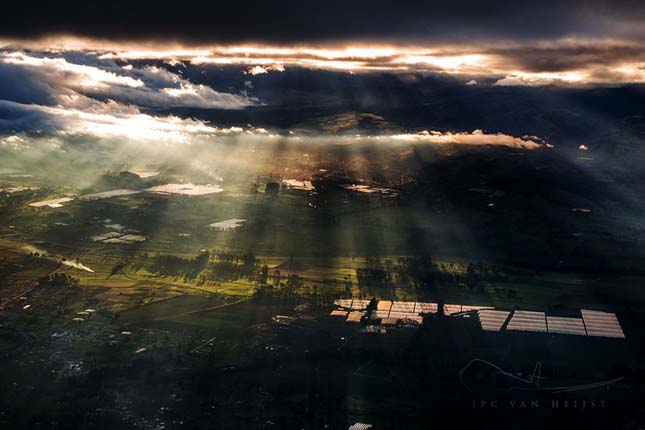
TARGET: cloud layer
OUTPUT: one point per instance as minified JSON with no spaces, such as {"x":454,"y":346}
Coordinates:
{"x":68,"y":80}
{"x":567,"y":61}
{"x":116,"y":93}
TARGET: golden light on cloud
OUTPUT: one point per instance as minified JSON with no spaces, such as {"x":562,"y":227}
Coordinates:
{"x":448,"y":63}
{"x":568,"y":61}
{"x":106,"y":122}
{"x":109,"y":90}
{"x":517,"y":78}
{"x":259,"y":70}
{"x":154,"y":55}
{"x":476,"y":137}
{"x":142,"y":128}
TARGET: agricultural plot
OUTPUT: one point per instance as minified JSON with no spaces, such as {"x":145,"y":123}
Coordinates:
{"x":185,"y":189}
{"x":369,"y":189}
{"x":353,"y":304}
{"x":604,"y":324}
{"x":53,"y":203}
{"x":388,"y":312}
{"x":492,"y":320}
{"x":527,"y":321}
{"x":170,"y":307}
{"x":355,"y":316}
{"x":384,"y":305}
{"x":564,"y":325}
{"x":426,"y":308}
{"x":403,"y":307}
{"x":358,"y":304}
{"x":227,"y":225}
{"x":379,"y":314}
{"x":17,"y":189}
{"x":119,"y":238}
{"x":108,"y":194}
{"x":452,"y":309}
{"x":294,"y":184}
{"x":449,"y":309}
{"x":344,"y":303}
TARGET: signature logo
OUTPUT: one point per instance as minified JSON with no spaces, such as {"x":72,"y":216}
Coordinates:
{"x":480,"y":373}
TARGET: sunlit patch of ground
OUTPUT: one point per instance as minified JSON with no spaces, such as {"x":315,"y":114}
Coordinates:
{"x":186,"y":189}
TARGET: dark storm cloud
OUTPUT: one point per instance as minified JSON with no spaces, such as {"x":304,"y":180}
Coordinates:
{"x":17,"y":117}
{"x":570,"y":56}
{"x":297,"y":21}
{"x":21,"y":87}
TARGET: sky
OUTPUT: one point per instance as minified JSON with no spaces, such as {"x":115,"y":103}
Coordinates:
{"x":150,"y":71}
{"x":293,"y":21}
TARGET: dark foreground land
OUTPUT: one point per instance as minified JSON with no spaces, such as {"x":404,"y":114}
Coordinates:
{"x":195,"y":328}
{"x":232,"y":365}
